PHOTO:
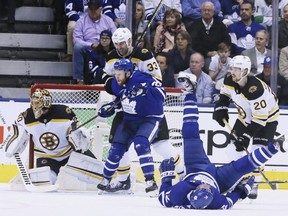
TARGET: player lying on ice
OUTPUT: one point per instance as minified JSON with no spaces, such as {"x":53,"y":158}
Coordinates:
{"x":206,"y":186}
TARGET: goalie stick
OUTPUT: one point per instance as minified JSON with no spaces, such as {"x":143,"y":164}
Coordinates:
{"x":27,"y":181}
{"x":271,"y":184}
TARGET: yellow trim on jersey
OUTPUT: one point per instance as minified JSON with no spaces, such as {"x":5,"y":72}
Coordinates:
{"x":33,"y":123}
{"x":64,"y":153}
{"x":112,"y":60}
{"x":60,"y":120}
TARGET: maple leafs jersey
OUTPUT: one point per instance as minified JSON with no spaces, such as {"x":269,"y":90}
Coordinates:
{"x":255,"y":102}
{"x":143,"y":59}
{"x":149,"y":105}
{"x":178,"y":195}
{"x":49,"y":132}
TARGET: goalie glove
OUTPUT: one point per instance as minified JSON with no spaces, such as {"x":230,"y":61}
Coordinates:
{"x":79,"y":138}
{"x":138,"y":89}
{"x":166,"y":169}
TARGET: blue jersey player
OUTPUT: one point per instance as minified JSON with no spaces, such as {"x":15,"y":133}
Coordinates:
{"x":142,"y":99}
{"x":206,"y":186}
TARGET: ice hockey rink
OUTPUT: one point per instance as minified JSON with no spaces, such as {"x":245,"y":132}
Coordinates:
{"x":14,"y":203}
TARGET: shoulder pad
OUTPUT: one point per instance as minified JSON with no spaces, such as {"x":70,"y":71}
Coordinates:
{"x":253,"y":89}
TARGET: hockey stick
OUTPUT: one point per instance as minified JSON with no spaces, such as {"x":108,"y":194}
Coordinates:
{"x":147,"y":27}
{"x":110,"y":108}
{"x":27,"y":181}
{"x":273,"y":186}
{"x":274,"y":182}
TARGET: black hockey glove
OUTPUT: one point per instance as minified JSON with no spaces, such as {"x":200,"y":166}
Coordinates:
{"x":244,"y":186}
{"x":167,"y":170}
{"x":138,"y":89}
{"x":221,"y":113}
{"x":242,"y":142}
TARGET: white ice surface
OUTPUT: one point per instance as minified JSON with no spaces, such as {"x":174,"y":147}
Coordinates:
{"x":15,"y":203}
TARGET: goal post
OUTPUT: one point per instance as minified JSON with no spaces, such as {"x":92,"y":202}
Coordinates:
{"x":85,"y":100}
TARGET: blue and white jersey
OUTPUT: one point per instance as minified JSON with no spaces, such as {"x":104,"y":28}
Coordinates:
{"x":75,"y":8}
{"x":149,"y":105}
{"x":115,"y":9}
{"x":178,"y":195}
{"x":243,"y":36}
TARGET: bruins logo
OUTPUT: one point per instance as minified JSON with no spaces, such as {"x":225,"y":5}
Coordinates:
{"x":49,"y":141}
{"x":252,"y":89}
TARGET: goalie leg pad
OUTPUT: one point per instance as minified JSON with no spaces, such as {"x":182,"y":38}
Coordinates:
{"x":85,"y":168}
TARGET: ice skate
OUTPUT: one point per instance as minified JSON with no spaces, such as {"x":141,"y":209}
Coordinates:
{"x":254,"y":192}
{"x":121,"y":186}
{"x":104,"y":185}
{"x":151,"y":188}
{"x":189,"y":82}
{"x":281,"y":143}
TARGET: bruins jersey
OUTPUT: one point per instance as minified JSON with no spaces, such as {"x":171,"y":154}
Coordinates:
{"x":255,"y":102}
{"x":143,"y":59}
{"x":49,"y":131}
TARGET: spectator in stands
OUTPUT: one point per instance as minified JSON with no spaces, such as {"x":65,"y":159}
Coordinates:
{"x":231,"y":11}
{"x":283,"y":62}
{"x":139,"y":18}
{"x":283,"y":29}
{"x":74,"y":9}
{"x":219,"y":65}
{"x":97,"y":57}
{"x":179,"y":56}
{"x":167,"y":74}
{"x":264,"y":11}
{"x":282,"y":87}
{"x":191,"y":10}
{"x":258,"y":52}
{"x":207,"y":33}
{"x":243,"y":32}
{"x":151,"y":5}
{"x":205,"y":86}
{"x":9,"y":7}
{"x":116,"y":10}
{"x":86,"y":35}
{"x":165,"y":32}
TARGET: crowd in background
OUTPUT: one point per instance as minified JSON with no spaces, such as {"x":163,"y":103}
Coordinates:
{"x":194,"y":36}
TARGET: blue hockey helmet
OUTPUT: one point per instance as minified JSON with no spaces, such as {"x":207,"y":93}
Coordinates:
{"x":124,"y":64}
{"x":201,"y":197}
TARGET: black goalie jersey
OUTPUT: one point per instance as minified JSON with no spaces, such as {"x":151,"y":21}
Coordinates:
{"x":49,"y":132}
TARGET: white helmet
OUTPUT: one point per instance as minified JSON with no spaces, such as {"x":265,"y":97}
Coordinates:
{"x":243,"y":63}
{"x":122,"y":35}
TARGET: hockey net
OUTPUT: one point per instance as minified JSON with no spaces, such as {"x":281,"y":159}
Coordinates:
{"x":85,"y":100}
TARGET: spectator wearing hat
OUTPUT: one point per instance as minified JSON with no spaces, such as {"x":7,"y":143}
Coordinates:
{"x":282,"y":83}
{"x":97,"y":57}
{"x":86,"y":36}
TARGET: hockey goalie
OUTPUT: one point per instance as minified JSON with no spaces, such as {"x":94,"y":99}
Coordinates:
{"x":61,"y":149}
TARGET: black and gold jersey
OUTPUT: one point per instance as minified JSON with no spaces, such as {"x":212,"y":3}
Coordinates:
{"x":255,"y":101}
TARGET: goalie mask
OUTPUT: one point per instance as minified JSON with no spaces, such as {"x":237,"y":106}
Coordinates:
{"x":201,"y":197}
{"x":240,"y":67}
{"x":41,"y":101}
